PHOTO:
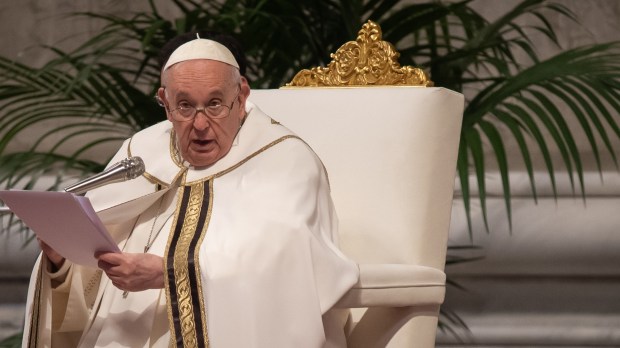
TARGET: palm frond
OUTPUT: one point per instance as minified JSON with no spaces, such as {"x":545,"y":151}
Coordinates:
{"x":584,"y":79}
{"x":93,"y":104}
{"x":111,"y":77}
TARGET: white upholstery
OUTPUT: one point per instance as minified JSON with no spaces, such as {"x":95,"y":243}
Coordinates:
{"x":395,"y":285}
{"x":391,"y":157}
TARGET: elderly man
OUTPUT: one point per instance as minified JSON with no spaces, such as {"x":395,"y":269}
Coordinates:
{"x":227,"y":238}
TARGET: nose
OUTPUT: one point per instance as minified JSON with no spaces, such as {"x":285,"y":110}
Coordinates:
{"x":201,"y":121}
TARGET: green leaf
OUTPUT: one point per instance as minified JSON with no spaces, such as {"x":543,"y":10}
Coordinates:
{"x":462,"y":165}
{"x":475,"y":145}
{"x":500,"y":154}
{"x":515,"y":128}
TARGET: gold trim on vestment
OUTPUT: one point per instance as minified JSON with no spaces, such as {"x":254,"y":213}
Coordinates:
{"x":243,"y":161}
{"x":258,"y":152}
{"x":175,"y":156}
{"x":203,"y":233}
{"x":190,"y":222}
{"x":153,"y":179}
{"x":33,"y":333}
{"x":174,"y":151}
{"x":172,"y":342}
{"x":95,"y":280}
{"x":179,"y":289}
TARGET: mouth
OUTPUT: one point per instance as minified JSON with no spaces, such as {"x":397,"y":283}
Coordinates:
{"x":202,"y":144}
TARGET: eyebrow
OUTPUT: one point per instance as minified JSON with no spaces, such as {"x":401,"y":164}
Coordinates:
{"x":181,"y":95}
{"x":218,"y":93}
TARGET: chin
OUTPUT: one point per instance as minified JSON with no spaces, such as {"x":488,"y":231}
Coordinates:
{"x":202,"y":161}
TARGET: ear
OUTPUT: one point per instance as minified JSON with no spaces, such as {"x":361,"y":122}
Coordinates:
{"x":161,"y":100}
{"x":244,"y":92}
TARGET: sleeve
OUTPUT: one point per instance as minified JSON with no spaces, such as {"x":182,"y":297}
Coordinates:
{"x":59,"y":303}
{"x":47,"y":308}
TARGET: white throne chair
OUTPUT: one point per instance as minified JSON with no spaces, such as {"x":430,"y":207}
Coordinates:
{"x":390,"y":150}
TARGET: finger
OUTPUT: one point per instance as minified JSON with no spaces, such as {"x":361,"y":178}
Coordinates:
{"x":110,"y":257}
{"x":105,"y":266}
{"x":100,"y":253}
{"x":103,"y":254}
{"x":118,"y":285}
{"x":57,"y":259}
{"x":118,"y":281}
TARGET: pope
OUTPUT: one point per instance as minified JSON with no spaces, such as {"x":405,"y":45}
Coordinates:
{"x":227,"y":239}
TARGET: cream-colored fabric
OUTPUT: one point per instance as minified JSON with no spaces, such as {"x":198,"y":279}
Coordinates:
{"x":270,"y":269}
{"x":391,"y":156}
{"x":394,"y":285}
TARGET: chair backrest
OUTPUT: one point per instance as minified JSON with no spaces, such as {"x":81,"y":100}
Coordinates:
{"x":391,"y":157}
{"x":390,"y":149}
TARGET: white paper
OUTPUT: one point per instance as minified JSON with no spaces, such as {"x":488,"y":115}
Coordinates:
{"x":64,"y":221}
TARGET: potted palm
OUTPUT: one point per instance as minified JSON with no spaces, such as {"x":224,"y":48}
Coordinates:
{"x":101,"y":92}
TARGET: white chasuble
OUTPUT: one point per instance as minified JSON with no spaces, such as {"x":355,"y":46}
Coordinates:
{"x":248,"y":246}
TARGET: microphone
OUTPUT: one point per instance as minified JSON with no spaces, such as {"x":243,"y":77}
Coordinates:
{"x":127,"y":169}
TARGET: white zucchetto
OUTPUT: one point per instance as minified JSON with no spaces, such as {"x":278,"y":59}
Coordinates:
{"x":201,"y":49}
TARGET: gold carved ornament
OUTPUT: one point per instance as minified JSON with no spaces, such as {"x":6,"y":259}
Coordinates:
{"x":367,"y":61}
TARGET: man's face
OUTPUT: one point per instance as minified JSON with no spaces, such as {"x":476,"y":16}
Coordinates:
{"x":202,"y":140}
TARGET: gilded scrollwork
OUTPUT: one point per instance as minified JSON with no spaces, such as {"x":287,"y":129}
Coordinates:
{"x":366,"y":61}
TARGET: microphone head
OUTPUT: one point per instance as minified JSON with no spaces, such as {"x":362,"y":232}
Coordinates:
{"x":134,"y":167}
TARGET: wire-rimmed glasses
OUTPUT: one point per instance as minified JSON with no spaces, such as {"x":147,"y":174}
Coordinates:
{"x":185,"y":111}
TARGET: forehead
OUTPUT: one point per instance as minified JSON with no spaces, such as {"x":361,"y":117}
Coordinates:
{"x":199,"y":74}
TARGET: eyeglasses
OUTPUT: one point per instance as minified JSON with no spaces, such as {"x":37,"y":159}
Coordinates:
{"x":187,"y":112}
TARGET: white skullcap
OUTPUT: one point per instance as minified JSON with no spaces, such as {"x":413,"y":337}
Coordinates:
{"x":201,"y":49}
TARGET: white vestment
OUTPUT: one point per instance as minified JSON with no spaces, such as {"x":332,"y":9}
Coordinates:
{"x":248,"y":246}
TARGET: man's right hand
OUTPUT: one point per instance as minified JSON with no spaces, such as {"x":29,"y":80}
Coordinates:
{"x":56,"y":259}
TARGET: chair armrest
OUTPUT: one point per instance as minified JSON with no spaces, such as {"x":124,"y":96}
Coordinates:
{"x":395,"y":285}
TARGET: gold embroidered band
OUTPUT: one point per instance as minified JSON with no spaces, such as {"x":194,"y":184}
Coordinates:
{"x":186,"y":309}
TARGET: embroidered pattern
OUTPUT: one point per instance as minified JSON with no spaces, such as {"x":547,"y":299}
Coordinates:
{"x":186,"y":309}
